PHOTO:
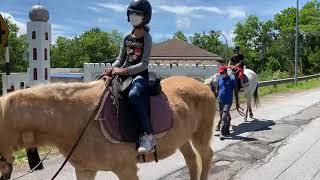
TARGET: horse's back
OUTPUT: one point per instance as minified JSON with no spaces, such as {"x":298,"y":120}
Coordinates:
{"x":183,"y":87}
{"x":189,"y":98}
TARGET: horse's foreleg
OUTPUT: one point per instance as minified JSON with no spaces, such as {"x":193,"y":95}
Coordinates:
{"x":85,"y":174}
{"x":193,"y":162}
{"x":127,"y":172}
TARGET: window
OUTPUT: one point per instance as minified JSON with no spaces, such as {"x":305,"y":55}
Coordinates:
{"x":47,"y":36}
{"x":45,"y":54}
{"x":35,"y":74}
{"x":21,"y":85}
{"x":35,"y":56}
{"x":46,"y":74}
{"x":33,"y":35}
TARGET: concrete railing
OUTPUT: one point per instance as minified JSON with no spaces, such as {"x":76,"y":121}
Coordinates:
{"x":288,"y":80}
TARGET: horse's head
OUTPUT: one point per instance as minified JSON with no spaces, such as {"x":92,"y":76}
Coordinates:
{"x":212,"y":82}
{"x":6,"y":158}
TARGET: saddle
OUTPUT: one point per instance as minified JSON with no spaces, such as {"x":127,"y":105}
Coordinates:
{"x":117,"y":120}
{"x":245,"y":79}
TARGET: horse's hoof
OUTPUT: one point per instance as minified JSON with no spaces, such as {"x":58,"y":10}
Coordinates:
{"x":245,"y":120}
{"x":251,"y":116}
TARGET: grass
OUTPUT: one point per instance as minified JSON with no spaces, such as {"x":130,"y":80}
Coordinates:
{"x":21,"y":156}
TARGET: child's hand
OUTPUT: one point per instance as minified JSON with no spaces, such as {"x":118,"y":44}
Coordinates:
{"x":107,"y":72}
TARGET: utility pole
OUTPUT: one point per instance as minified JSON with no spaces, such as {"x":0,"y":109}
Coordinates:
{"x":296,"y":46}
{"x":226,"y":47}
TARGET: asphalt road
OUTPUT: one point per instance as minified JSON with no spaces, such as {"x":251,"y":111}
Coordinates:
{"x":279,"y":118}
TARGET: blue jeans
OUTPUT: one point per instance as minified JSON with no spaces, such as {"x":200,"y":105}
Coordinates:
{"x":140,"y":100}
{"x":225,"y":118}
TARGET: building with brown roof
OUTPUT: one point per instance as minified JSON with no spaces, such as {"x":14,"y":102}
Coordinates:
{"x":175,"y":51}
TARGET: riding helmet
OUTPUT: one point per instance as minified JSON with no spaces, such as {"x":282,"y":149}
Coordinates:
{"x":140,"y":6}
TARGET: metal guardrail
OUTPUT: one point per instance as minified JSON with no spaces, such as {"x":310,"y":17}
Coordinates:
{"x":289,"y":80}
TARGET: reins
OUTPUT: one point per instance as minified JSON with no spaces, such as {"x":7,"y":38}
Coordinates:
{"x":33,"y":169}
{"x":83,"y":131}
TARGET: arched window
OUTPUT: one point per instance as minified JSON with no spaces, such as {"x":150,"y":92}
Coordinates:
{"x":46,"y":74}
{"x":45,"y":54}
{"x":47,"y":36}
{"x":33,"y":35}
{"x":35,"y":54}
{"x":35,"y":74}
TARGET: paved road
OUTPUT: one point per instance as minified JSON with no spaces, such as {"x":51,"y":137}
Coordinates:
{"x":298,"y":158}
{"x":278,"y":117}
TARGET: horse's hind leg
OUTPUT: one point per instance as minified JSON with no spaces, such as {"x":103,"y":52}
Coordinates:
{"x":127,"y":171}
{"x":85,"y":174}
{"x":201,"y":142}
{"x":193,"y":162}
{"x":249,"y":105}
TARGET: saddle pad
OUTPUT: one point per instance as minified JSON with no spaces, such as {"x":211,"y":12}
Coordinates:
{"x":112,"y":128}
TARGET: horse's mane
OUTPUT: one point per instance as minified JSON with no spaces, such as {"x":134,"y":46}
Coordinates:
{"x":58,"y":91}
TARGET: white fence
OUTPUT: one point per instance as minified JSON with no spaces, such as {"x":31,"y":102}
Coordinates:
{"x":94,"y":70}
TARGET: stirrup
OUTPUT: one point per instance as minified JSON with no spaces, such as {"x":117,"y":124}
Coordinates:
{"x":143,"y":155}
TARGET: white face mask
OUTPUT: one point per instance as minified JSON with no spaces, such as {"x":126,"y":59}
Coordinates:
{"x":135,"y":19}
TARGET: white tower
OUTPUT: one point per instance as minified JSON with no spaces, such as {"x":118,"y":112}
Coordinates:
{"x":39,"y":40}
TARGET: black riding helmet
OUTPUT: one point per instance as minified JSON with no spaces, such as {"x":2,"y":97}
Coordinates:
{"x":236,"y":48}
{"x":140,"y":6}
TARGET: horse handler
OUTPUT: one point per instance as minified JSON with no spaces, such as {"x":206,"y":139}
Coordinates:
{"x":226,"y":87}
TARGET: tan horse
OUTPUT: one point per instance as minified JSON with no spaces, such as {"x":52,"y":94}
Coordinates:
{"x":55,"y":115}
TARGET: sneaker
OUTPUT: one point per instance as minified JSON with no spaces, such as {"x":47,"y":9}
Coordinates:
{"x":147,"y":143}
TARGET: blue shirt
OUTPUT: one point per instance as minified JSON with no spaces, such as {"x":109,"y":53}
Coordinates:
{"x":226,"y":87}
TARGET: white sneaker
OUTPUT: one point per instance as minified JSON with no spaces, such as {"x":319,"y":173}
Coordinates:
{"x":147,"y":143}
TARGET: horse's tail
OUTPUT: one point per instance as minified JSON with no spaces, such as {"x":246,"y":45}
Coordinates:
{"x":256,"y":96}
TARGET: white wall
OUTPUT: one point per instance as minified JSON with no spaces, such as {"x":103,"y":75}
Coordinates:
{"x":65,"y":70}
{"x":14,"y":79}
{"x":93,"y":70}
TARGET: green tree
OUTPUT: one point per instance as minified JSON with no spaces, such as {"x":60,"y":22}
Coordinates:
{"x":180,"y":35}
{"x":90,"y":47}
{"x":17,"y":50}
{"x":209,"y":42}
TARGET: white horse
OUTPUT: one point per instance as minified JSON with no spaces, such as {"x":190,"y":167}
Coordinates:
{"x":250,"y":89}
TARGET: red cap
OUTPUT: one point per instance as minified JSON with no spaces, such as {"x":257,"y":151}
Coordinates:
{"x":222,"y":69}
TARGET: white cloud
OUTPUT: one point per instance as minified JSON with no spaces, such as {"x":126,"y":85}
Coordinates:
{"x":236,"y":13}
{"x":184,"y":10}
{"x":95,"y":9}
{"x":103,"y":20}
{"x":21,"y":25}
{"x":58,"y":30}
{"x":183,"y":22}
{"x":113,"y":6}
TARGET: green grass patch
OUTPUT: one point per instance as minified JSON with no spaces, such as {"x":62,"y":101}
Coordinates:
{"x":302,"y":85}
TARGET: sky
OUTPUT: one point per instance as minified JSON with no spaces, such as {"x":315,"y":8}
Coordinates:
{"x":72,"y":17}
